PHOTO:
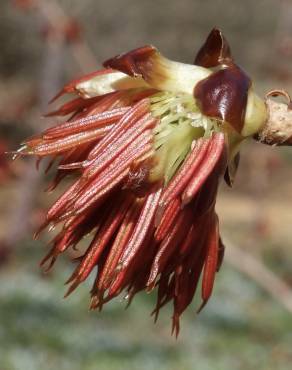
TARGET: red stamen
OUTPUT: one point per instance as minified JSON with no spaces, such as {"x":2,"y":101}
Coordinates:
{"x":210,"y":160}
{"x":186,"y":172}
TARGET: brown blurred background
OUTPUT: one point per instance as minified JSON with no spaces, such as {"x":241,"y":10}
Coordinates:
{"x":248,"y":323}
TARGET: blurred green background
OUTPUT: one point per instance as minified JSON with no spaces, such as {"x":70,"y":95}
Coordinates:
{"x":243,"y":326}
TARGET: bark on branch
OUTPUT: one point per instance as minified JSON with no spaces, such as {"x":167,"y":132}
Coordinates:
{"x":278,"y":128}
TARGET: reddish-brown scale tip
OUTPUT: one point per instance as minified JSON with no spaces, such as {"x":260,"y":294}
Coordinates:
{"x":40,"y":230}
{"x":51,"y":258}
{"x":72,"y":277}
{"x":131,"y":62}
{"x":175,"y":325}
{"x":202,"y":305}
{"x":155,"y":313}
{"x":93,"y":303}
{"x":54,"y":98}
{"x":231,"y":170}
{"x":221,"y":251}
{"x":129,"y":298}
{"x":97,"y":300}
{"x":50,"y":265}
{"x":215,"y":50}
{"x":37,"y":163}
{"x":72,"y":287}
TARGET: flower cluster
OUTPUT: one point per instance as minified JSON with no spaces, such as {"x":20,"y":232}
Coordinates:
{"x":147,"y":142}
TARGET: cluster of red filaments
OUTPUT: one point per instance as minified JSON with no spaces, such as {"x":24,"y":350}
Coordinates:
{"x":144,"y":234}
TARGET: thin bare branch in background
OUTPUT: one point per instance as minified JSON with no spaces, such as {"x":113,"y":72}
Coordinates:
{"x":52,"y":12}
{"x":255,"y":270}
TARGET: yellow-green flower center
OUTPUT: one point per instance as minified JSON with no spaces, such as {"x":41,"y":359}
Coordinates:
{"x":181,"y":122}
